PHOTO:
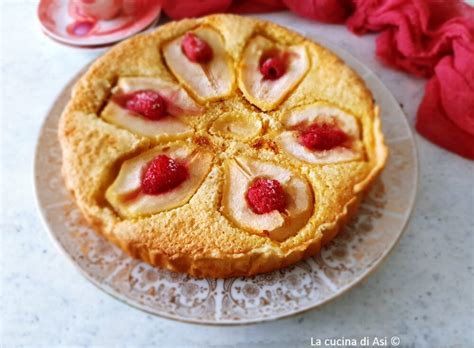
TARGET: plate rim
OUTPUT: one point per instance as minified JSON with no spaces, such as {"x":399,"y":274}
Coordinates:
{"x":226,"y":322}
{"x":72,"y":43}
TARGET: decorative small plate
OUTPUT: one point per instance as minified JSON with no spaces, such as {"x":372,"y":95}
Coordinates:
{"x":63,"y":22}
{"x":98,"y":48}
{"x":342,"y":264}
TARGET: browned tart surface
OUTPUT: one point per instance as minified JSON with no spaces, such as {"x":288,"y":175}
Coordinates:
{"x":270,"y":142}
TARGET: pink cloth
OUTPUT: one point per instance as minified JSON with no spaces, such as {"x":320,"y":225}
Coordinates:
{"x":256,"y":6}
{"x":428,"y":38}
{"x":415,"y":34}
{"x":446,"y":113}
{"x":329,"y":11}
{"x":178,"y":9}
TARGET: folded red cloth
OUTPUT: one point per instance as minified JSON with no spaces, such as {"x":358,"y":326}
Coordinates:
{"x":329,"y":11}
{"x":179,"y":9}
{"x":256,"y":6}
{"x":416,"y":34}
{"x":426,"y":37}
{"x":446,"y":114}
{"x":423,"y":37}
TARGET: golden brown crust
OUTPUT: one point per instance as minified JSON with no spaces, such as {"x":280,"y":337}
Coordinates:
{"x":196,"y":238}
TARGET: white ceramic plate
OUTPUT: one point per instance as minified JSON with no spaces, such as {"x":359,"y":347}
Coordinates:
{"x":342,"y":264}
{"x":56,"y":18}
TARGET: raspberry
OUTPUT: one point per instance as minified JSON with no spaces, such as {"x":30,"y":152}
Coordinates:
{"x":272,"y":66}
{"x":265,"y":195}
{"x":196,"y":49}
{"x":322,"y":137}
{"x":163,"y":174}
{"x":149,"y":104}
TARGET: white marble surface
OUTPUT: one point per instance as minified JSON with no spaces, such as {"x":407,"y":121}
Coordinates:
{"x":423,"y":293}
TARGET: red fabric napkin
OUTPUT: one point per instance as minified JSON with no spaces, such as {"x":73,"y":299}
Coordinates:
{"x":429,"y":38}
{"x":446,"y":113}
{"x":329,"y":11}
{"x":178,"y":9}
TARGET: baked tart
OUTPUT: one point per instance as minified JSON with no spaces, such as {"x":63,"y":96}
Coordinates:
{"x":220,"y":146}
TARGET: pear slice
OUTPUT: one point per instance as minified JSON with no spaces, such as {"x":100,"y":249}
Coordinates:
{"x":207,"y":81}
{"x":125,"y":194}
{"x":264,"y":93}
{"x":298,"y":119}
{"x":238,"y":126}
{"x":239,"y":174}
{"x":179,"y":106}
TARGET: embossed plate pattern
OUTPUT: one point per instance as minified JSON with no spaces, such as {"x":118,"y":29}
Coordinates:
{"x":348,"y":259}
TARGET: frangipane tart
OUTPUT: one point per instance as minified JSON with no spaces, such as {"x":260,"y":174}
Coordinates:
{"x":220,"y":146}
